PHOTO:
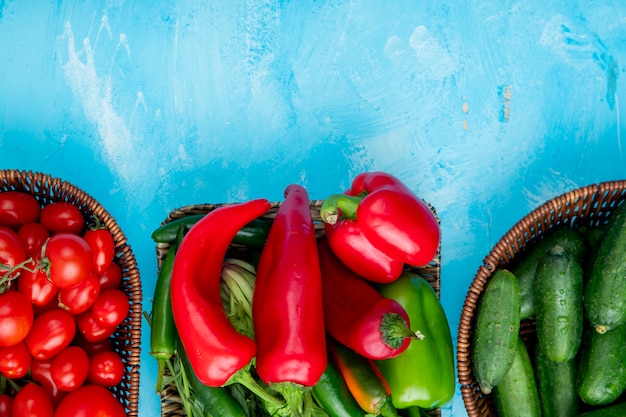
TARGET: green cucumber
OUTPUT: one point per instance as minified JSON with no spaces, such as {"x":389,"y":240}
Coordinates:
{"x":556,"y":382}
{"x":571,"y":239}
{"x":516,"y":395}
{"x":615,"y":410}
{"x":605,"y":292}
{"x":601,"y":372}
{"x":558,"y":304}
{"x":496,"y":330}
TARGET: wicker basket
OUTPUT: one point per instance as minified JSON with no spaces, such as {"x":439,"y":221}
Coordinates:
{"x":127,"y":338}
{"x":588,"y":206}
{"x":170,"y":400}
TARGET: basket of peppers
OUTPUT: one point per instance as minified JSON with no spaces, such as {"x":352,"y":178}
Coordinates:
{"x":303,"y":307}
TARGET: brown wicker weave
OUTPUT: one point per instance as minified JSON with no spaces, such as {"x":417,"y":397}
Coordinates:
{"x":170,"y":401}
{"x":127,"y":338}
{"x":588,"y":206}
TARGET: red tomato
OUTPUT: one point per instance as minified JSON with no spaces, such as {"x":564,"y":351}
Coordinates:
{"x":62,"y":217}
{"x":40,"y":372}
{"x":12,"y":249}
{"x":15,"y":360}
{"x":69,"y":259}
{"x":70,"y":368}
{"x":33,"y":401}
{"x":51,"y":332}
{"x":102,"y":247}
{"x":18,"y":208}
{"x":16,"y":317}
{"x":34,"y":236}
{"x":34,"y":284}
{"x":91,"y":329}
{"x":111,"y":307}
{"x":106,"y":369}
{"x":81,"y":296}
{"x":89,"y":401}
{"x":92,"y":347}
{"x":111,"y":278}
{"x":6,"y":404}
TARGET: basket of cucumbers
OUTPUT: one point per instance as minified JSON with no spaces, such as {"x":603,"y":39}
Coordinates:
{"x":543,"y":327}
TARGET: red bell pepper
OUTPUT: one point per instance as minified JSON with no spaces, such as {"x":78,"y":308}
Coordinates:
{"x":215,"y":349}
{"x":390,"y":217}
{"x":287,"y":301}
{"x":357,"y":315}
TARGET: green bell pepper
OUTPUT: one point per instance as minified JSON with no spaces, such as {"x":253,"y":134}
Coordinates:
{"x":423,"y":375}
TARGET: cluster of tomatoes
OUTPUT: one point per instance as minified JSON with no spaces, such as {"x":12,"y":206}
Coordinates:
{"x":60,"y":303}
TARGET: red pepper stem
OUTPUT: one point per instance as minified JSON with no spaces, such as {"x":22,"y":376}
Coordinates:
{"x":274,"y":405}
{"x":347,"y":204}
{"x":294,"y":395}
{"x":394,"y":330}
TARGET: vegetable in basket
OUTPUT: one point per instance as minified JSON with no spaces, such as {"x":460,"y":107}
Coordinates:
{"x":379,"y":223}
{"x":216,"y":350}
{"x":367,"y":385}
{"x":163,"y":329}
{"x":333,"y":395}
{"x":357,"y":315}
{"x":287,"y":303}
{"x":422,"y":375}
{"x":252,"y":234}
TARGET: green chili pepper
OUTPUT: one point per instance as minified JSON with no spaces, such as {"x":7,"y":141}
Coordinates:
{"x":422,"y":375}
{"x":252,"y":234}
{"x":363,"y":379}
{"x":162,"y":327}
{"x":332,"y":394}
{"x":215,"y":401}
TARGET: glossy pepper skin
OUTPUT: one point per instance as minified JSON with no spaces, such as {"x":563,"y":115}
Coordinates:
{"x":431,"y":384}
{"x":390,"y":217}
{"x":215,"y":349}
{"x":363,"y":379}
{"x":357,"y":315}
{"x":287,"y":300}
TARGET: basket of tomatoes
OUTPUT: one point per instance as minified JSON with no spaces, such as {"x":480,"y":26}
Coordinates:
{"x":70,"y":293}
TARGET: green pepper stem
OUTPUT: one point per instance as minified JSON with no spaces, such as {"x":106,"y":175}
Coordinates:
{"x":387,"y":409}
{"x":394,"y":330}
{"x":331,"y":207}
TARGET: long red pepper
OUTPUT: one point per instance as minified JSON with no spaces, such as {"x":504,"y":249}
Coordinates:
{"x":357,"y":315}
{"x":391,"y":218}
{"x":287,"y":302}
{"x":215,"y":349}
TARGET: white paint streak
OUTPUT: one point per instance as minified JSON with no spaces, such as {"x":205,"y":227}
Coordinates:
{"x":434,"y":60}
{"x":94,"y":92}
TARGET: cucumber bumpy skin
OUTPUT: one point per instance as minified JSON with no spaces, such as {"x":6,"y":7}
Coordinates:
{"x":556,"y":382}
{"x":572,"y":240}
{"x":605,"y":292}
{"x":601,"y":372}
{"x":516,"y":395}
{"x":558,"y":304}
{"x":496,"y":330}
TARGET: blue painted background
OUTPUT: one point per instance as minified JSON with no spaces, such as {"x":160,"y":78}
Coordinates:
{"x":484,"y":108}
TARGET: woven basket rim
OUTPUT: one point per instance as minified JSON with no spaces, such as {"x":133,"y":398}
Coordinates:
{"x":589,"y":205}
{"x":170,"y":400}
{"x":127,"y":341}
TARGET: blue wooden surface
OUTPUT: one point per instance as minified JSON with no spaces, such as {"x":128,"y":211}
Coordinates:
{"x":484,"y":108}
